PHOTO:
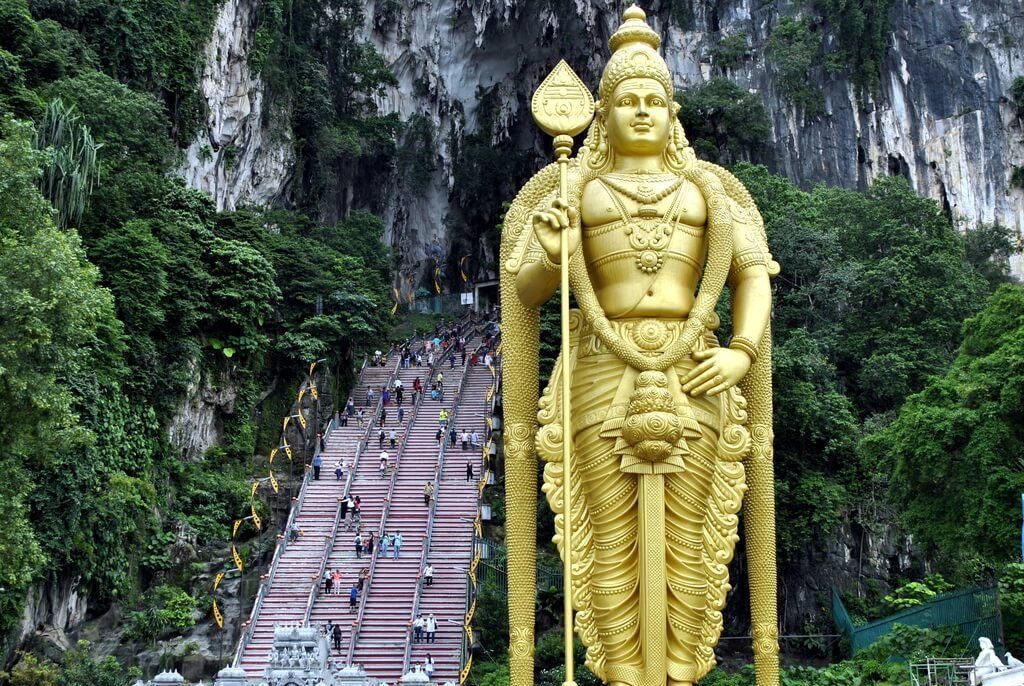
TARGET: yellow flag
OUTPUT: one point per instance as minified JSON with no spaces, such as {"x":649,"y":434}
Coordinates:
{"x":288,"y":450}
{"x":464,"y":674}
{"x":302,"y":392}
{"x":273,"y":482}
{"x":312,"y":366}
{"x":217,"y":579}
{"x":462,"y":267}
{"x":217,"y":616}
{"x":256,"y":518}
{"x":234,"y":528}
{"x":255,"y":487}
{"x":237,"y":557}
{"x":273,"y":454}
{"x":394,"y":307}
{"x":284,"y":427}
{"x":312,"y":389}
{"x":437,"y":276}
{"x":302,"y":419}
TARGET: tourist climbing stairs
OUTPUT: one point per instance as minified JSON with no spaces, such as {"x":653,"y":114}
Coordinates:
{"x":374,"y":491}
{"x":286,"y":590}
{"x":380,"y":642}
{"x":451,"y":537}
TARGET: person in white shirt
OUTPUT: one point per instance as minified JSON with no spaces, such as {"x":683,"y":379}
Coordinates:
{"x":428,"y":574}
{"x":428,"y":666}
{"x":417,"y":629}
{"x":383,"y":463}
{"x":430,"y":627}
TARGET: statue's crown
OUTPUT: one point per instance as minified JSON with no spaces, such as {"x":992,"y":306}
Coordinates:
{"x":634,"y":54}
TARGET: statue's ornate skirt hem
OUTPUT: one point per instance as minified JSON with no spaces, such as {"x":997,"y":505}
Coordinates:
{"x":654,"y":529}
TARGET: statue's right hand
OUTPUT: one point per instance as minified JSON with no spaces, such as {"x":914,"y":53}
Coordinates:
{"x":548,"y":225}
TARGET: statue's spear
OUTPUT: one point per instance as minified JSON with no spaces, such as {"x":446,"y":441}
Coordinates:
{"x":563,"y":107}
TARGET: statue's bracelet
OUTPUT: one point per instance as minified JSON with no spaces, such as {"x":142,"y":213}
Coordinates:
{"x":746,"y":345}
{"x":548,"y":264}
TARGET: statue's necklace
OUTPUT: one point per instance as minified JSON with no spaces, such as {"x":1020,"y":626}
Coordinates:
{"x":654,"y":231}
{"x":642,"y":193}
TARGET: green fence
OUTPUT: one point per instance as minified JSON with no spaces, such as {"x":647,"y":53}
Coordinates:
{"x":973,"y":611}
{"x":493,"y":569}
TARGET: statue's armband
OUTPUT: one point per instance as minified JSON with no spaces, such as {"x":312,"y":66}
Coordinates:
{"x":748,"y":251}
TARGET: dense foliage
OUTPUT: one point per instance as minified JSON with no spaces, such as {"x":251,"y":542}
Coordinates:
{"x":123,"y":293}
{"x":956,"y":447}
{"x":866,"y":310}
{"x":723,"y":123}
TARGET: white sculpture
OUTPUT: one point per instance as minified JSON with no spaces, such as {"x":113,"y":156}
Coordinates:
{"x":990,"y":671}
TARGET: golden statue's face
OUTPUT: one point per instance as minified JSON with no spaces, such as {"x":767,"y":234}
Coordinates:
{"x":639,"y":120}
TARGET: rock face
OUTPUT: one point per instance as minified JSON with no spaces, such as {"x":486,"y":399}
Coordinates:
{"x":52,"y":609}
{"x":198,"y":423}
{"x":244,"y":156}
{"x":940,"y":117}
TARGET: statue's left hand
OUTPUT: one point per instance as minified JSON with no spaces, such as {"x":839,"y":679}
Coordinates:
{"x":719,"y":370}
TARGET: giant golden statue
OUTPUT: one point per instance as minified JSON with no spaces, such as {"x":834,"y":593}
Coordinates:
{"x":668,"y":429}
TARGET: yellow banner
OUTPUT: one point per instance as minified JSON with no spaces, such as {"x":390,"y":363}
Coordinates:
{"x":288,"y":450}
{"x":256,"y":518}
{"x":312,"y":366}
{"x":437,"y":276}
{"x":234,"y":528}
{"x":217,"y":616}
{"x":298,"y":401}
{"x":217,"y":579}
{"x":273,"y":454}
{"x":255,"y":487}
{"x":312,"y":389}
{"x":462,"y":267}
{"x":394,"y":307}
{"x":470,"y":613}
{"x":464,"y":674}
{"x":237,"y":558}
{"x":273,"y":482}
{"x":284,"y":427}
{"x":302,"y":419}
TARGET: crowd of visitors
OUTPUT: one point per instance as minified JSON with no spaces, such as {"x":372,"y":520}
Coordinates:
{"x":447,"y":341}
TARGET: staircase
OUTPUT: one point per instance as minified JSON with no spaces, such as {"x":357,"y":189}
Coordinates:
{"x":451,"y":542}
{"x":298,"y":562}
{"x":373,"y":491}
{"x":381,"y":640}
{"x":377,"y":634}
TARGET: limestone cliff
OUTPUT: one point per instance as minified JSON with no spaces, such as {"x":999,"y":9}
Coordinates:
{"x":244,"y":154}
{"x":940,"y":116}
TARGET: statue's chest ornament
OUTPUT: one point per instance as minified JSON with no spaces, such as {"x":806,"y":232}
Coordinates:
{"x":649,"y":232}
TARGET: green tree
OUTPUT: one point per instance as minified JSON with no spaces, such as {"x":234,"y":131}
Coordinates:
{"x":723,"y":122}
{"x":71,"y":175}
{"x":794,"y":48}
{"x":55,"y":320}
{"x":951,"y":445}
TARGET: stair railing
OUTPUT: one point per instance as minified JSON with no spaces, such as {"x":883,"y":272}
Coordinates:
{"x":466,"y":656}
{"x":282,"y":545}
{"x":424,"y":554}
{"x":331,"y":540}
{"x":358,"y":621}
{"x":267,"y":580}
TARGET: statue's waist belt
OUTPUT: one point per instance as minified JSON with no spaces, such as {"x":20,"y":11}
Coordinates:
{"x":647,"y":335}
